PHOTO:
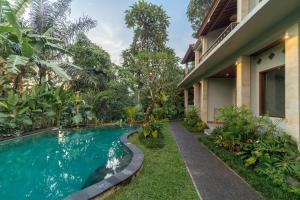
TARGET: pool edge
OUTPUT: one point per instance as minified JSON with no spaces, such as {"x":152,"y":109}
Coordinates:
{"x":108,"y":186}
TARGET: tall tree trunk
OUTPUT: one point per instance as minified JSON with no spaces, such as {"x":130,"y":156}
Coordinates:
{"x":18,"y":83}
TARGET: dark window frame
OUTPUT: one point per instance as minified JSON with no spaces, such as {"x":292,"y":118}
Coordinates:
{"x":262,"y":92}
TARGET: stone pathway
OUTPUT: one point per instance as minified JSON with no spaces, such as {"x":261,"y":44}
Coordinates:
{"x":213,"y":179}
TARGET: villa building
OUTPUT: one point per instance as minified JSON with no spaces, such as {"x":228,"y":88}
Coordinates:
{"x":247,"y":53}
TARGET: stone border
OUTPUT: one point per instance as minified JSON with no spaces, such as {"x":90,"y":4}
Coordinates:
{"x":106,"y":187}
{"x":28,"y":134}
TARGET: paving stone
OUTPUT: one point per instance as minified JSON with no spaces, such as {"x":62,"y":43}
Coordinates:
{"x":213,"y":179}
{"x":78,"y":196}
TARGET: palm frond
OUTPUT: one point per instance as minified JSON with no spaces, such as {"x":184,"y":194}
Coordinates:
{"x":20,"y":6}
{"x":83,"y":78}
{"x":40,"y":15}
{"x":82,"y":25}
{"x":60,"y":9}
{"x":14,"y":61}
{"x":57,"y":48}
{"x":54,"y":66}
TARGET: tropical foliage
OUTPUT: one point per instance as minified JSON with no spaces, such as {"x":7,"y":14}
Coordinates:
{"x":95,"y":64}
{"x":151,"y":134}
{"x":151,"y":71}
{"x":41,"y":107}
{"x":35,"y":89}
{"x":53,"y":75}
{"x":193,"y":123}
{"x":152,"y":68}
{"x":196,"y":11}
{"x":260,"y":145}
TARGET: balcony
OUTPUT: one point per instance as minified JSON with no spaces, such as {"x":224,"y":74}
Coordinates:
{"x":220,"y":38}
{"x":257,"y":30}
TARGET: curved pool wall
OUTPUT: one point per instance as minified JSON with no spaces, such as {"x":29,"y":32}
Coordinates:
{"x":108,"y":186}
{"x":53,"y":165}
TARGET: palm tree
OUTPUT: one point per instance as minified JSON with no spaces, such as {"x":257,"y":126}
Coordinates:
{"x":50,"y":20}
{"x":25,"y":48}
{"x":48,"y":17}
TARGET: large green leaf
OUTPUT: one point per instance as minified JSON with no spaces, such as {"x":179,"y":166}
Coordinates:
{"x":12,"y":99}
{"x":19,"y":6}
{"x":27,"y":121}
{"x":4,"y":105}
{"x":6,"y":28}
{"x":57,"y":48}
{"x":50,"y":113}
{"x":27,"y":49}
{"x":44,"y":37}
{"x":72,"y":65}
{"x":23,"y":110}
{"x":3,"y":115}
{"x":14,"y":61}
{"x":56,"y":68}
{"x":77,"y":119}
{"x":13,"y":21}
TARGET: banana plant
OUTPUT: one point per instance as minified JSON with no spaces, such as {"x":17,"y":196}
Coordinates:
{"x":26,"y":50}
{"x":13,"y":113}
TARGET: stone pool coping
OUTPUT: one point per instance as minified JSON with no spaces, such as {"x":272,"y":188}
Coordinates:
{"x":107,"y":186}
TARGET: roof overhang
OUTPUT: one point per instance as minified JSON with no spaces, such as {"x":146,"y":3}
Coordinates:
{"x":264,"y":25}
{"x":189,"y":55}
{"x":218,"y":16}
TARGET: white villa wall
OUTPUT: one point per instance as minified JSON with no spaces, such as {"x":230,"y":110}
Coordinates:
{"x":221,"y":92}
{"x":252,"y":4}
{"x":265,"y":64}
{"x":213,"y":35}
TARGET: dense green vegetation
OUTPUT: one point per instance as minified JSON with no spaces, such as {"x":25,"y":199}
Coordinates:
{"x":163,"y":176}
{"x":153,"y":69}
{"x":260,"y":151}
{"x":151,"y":134}
{"x":196,"y":12}
{"x":33,"y":60}
{"x":53,"y":75}
{"x":193,"y":123}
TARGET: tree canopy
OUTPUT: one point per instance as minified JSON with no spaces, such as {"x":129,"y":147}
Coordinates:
{"x":152,"y":68}
{"x":196,"y":12}
{"x":95,"y":64}
{"x":150,"y":23}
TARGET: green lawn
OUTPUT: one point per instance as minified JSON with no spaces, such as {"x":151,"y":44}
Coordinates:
{"x":164,"y":175}
{"x":268,"y":189}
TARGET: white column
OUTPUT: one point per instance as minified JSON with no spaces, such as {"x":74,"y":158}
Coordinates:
{"x":197,"y":96}
{"x":197,"y":57}
{"x":186,"y":70}
{"x":242,"y":9}
{"x":186,"y":101}
{"x":204,"y":100}
{"x":292,"y":85}
{"x":243,"y":81}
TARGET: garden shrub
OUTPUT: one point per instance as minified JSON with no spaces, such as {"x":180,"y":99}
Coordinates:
{"x":41,"y":107}
{"x":166,"y":111}
{"x":151,"y":134}
{"x":193,"y":123}
{"x":260,"y":145}
{"x":133,"y":112}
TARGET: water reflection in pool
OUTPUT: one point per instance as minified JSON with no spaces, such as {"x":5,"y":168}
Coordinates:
{"x":56,"y":164}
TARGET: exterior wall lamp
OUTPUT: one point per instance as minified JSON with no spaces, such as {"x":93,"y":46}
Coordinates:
{"x":287,"y":36}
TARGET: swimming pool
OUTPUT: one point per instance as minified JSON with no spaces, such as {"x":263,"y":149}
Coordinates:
{"x":53,"y":165}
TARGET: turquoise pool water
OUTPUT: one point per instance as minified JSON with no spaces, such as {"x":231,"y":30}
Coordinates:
{"x":53,"y":165}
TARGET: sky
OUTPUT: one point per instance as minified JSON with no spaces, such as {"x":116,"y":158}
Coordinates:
{"x":112,"y":34}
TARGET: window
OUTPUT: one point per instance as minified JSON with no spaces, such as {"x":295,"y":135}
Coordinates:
{"x":191,"y":96}
{"x":272,"y":92}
